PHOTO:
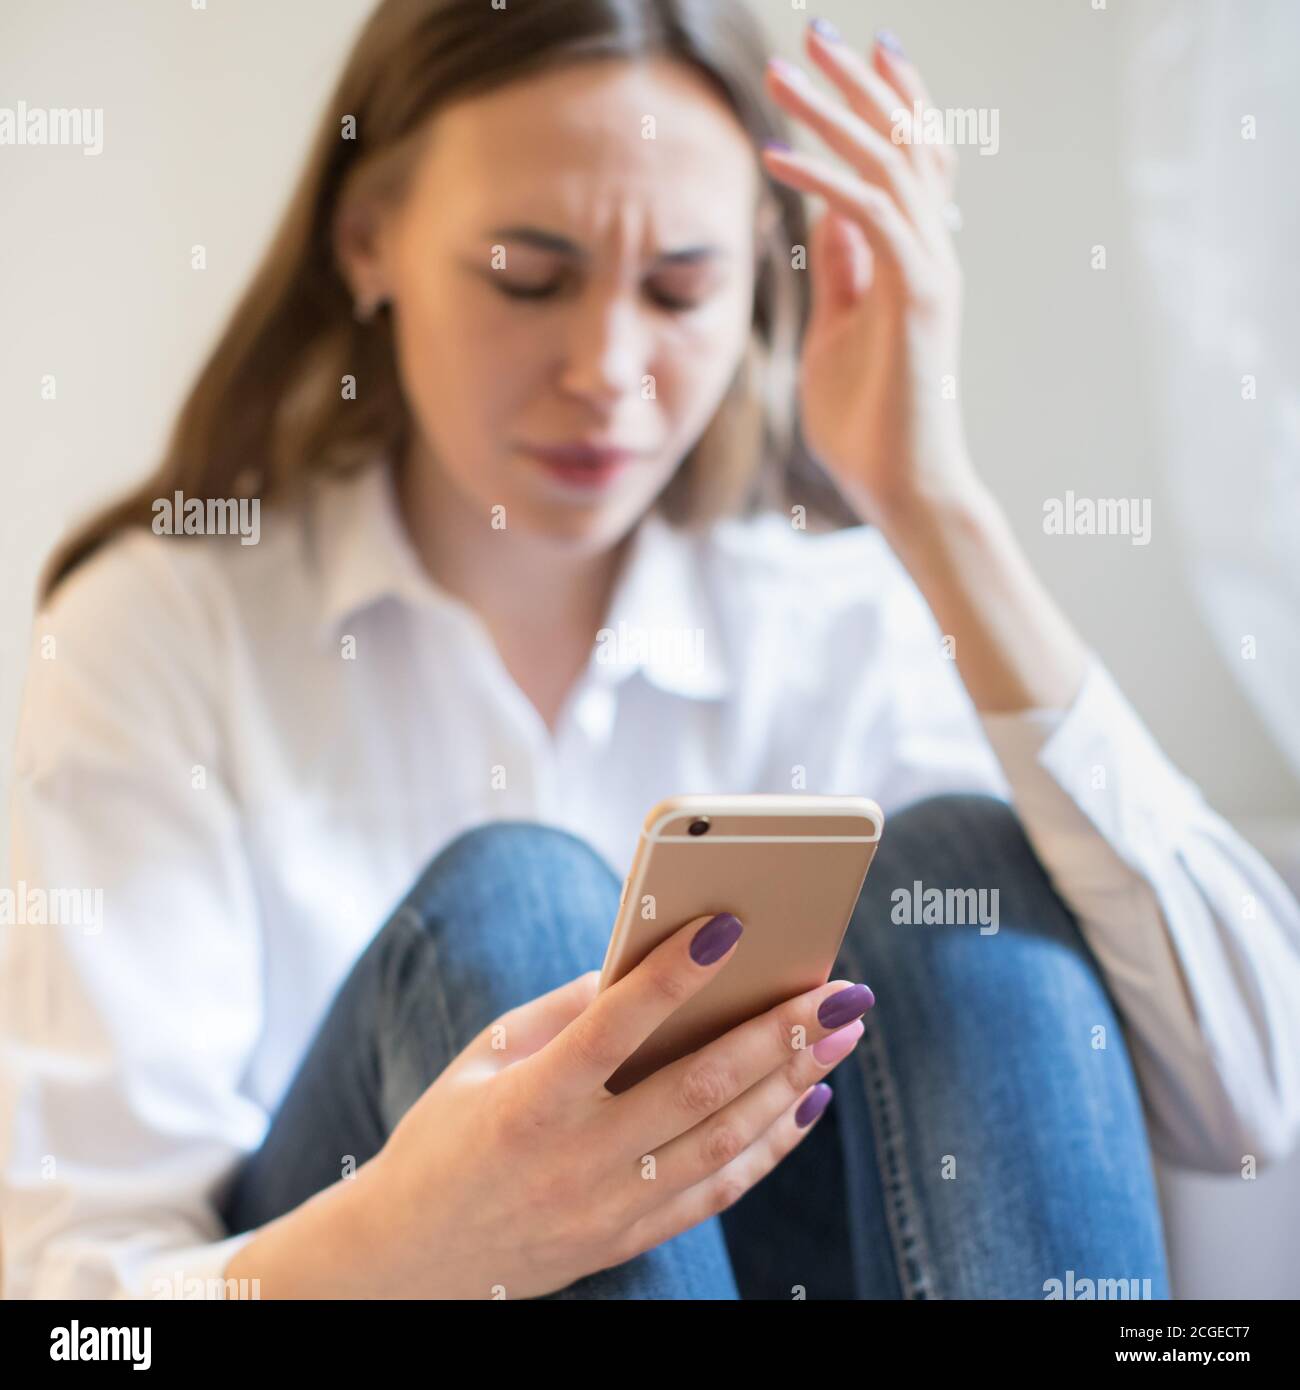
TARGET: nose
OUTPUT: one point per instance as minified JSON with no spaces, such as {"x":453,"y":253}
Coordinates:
{"x":606,"y":346}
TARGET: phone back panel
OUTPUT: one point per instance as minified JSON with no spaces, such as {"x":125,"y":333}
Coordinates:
{"x":790,"y":867}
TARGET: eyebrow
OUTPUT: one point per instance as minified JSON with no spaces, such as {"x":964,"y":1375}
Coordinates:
{"x":561,"y":246}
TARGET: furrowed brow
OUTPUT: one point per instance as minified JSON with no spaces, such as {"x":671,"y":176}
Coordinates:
{"x":558,"y":245}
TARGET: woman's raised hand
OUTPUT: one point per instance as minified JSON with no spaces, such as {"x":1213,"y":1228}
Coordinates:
{"x":878,"y":377}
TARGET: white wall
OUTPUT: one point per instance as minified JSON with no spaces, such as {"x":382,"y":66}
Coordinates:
{"x":206,"y":115}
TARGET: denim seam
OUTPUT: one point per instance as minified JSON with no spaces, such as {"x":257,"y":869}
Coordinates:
{"x":902,"y":1210}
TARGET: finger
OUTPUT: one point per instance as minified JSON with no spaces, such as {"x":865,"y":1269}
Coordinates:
{"x":519,"y":1032}
{"x":865,"y":150}
{"x":618,"y":1020}
{"x":730,"y":1183}
{"x":903,"y":76}
{"x":897,"y":69}
{"x":715,"y":1141}
{"x":891,"y":237}
{"x":677,"y":1097}
{"x":869,"y":95}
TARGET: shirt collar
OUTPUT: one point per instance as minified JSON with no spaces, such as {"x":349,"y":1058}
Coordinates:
{"x":658,"y":620}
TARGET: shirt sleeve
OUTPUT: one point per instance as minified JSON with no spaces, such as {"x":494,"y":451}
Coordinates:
{"x":130,"y":971}
{"x":1196,"y":935}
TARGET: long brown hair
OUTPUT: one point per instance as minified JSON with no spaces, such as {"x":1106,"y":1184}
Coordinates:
{"x":267,"y":409}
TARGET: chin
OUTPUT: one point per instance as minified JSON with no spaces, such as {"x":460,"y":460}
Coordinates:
{"x":589,"y":527}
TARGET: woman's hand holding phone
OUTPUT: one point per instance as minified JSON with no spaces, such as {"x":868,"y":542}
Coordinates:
{"x":517,"y":1172}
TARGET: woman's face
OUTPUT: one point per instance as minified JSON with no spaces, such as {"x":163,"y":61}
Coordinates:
{"x":573,"y":265}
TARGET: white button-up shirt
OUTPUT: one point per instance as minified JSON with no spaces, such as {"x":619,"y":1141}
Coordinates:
{"x":232,"y":761}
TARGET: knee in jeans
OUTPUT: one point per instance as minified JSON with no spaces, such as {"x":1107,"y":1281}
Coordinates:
{"x":502,"y":843}
{"x":940,"y":824}
{"x":972,"y":848}
{"x":486,"y":858}
{"x":472,"y":905}
{"x":962,"y":834}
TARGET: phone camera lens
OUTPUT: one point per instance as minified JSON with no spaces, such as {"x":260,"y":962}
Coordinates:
{"x":700,"y":827}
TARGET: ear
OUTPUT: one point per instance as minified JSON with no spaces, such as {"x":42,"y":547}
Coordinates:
{"x":766,"y":220}
{"x":358,"y":241}
{"x":769,"y":215}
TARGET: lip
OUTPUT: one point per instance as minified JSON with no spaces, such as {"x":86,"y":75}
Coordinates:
{"x":580,"y":468}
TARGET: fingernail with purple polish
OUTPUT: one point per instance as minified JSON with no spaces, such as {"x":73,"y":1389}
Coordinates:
{"x":826,"y":30}
{"x":845,"y":1006}
{"x":813,"y":1104}
{"x":888,"y":40}
{"x":778,"y":145}
{"x":715,"y":938}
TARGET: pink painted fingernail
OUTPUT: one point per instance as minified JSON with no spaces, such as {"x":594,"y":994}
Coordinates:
{"x":837,"y":1045}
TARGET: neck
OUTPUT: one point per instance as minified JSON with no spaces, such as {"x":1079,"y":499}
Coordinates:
{"x":517,"y":583}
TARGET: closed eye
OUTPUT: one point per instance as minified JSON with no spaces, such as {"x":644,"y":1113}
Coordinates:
{"x":525,"y":291}
{"x":672,"y":303}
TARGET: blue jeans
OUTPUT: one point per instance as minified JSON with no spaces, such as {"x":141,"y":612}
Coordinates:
{"x":979,"y":1144}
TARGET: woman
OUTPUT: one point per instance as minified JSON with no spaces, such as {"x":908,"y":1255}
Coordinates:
{"x":543,"y":354}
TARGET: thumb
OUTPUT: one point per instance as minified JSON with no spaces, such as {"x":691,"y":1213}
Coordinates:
{"x":527,"y":1028}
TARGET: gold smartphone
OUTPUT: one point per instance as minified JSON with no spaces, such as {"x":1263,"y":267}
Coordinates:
{"x":790,"y":867}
